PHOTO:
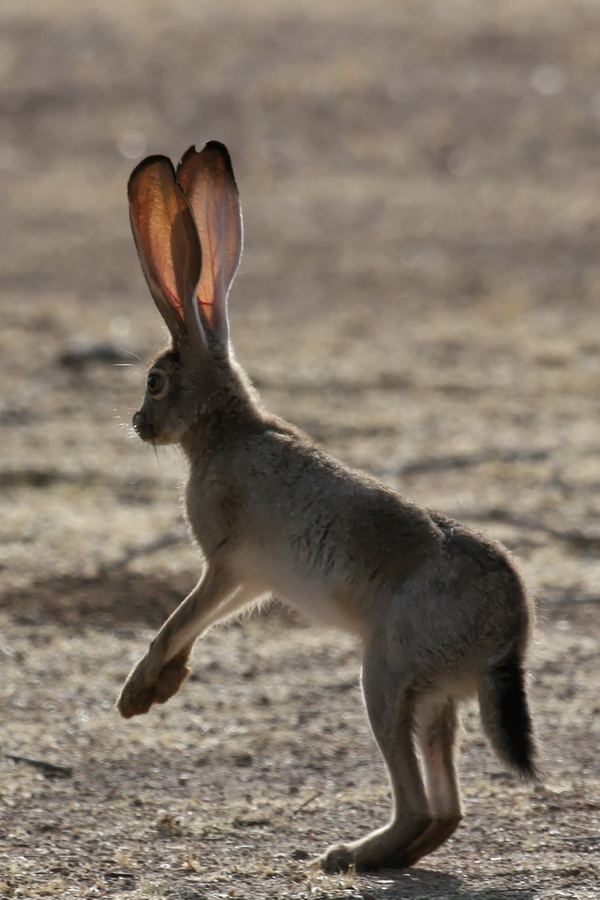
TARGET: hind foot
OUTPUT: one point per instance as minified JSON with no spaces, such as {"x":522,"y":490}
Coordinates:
{"x":387,"y":848}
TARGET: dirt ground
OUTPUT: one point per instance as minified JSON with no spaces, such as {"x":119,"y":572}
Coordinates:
{"x":421,"y":292}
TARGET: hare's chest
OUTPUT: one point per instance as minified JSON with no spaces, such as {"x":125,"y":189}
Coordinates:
{"x":214,"y":511}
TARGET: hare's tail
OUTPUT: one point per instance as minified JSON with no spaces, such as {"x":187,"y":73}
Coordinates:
{"x":505,"y":714}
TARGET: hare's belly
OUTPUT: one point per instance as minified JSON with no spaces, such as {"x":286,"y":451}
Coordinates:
{"x":326,"y":601}
{"x":320,"y":595}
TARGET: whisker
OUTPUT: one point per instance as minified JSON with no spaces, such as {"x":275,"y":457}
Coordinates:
{"x":127,"y":352}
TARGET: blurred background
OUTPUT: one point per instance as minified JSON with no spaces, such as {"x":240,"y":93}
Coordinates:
{"x":420,"y":291}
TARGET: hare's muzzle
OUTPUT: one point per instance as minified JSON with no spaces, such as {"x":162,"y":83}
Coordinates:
{"x":143,"y":428}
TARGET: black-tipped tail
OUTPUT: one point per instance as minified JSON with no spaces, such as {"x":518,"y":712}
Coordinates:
{"x":506,"y":717}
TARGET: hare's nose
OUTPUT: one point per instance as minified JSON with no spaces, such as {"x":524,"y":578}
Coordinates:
{"x":143,"y":428}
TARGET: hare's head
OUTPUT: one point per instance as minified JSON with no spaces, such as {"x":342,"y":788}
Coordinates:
{"x":187,"y":227}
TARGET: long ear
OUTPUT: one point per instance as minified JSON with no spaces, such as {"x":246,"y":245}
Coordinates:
{"x":166,"y":239}
{"x":206,"y":177}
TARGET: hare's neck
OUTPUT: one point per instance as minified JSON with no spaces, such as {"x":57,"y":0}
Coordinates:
{"x":229,"y":408}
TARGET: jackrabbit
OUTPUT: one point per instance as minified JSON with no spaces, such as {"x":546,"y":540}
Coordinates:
{"x":441,"y":612}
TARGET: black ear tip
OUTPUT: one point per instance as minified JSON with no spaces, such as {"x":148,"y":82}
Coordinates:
{"x":222,"y":151}
{"x":191,"y":151}
{"x":213,"y":152}
{"x":218,"y":146}
{"x":155,"y":159}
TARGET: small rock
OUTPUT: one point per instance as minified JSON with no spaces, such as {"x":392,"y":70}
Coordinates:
{"x":243,"y":759}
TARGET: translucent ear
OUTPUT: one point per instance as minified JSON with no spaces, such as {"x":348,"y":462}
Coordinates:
{"x":206,"y":177}
{"x":166,"y":239}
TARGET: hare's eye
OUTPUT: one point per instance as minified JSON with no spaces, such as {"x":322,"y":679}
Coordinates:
{"x":156,"y":383}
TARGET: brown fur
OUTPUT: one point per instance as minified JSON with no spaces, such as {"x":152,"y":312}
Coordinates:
{"x":441,"y":612}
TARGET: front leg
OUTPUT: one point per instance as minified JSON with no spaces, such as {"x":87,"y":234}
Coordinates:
{"x":161,"y":672}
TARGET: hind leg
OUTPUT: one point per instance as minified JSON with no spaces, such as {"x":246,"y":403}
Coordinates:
{"x":390,"y":706}
{"x":437,"y":726}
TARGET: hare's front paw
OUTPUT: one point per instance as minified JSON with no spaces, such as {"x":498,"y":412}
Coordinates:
{"x":141,"y":691}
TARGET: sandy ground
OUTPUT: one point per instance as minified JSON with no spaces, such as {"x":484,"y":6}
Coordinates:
{"x":420,"y":291}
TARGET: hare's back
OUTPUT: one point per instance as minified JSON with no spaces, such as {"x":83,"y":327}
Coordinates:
{"x":329,"y":515}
